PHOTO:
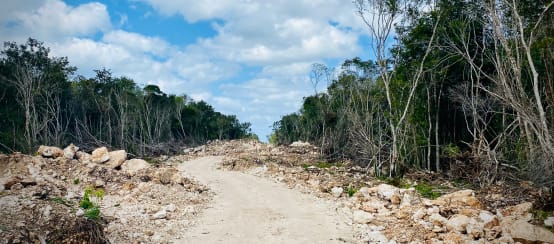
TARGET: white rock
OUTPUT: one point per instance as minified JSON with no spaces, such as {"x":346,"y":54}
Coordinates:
{"x":300,"y":144}
{"x":458,"y":223}
{"x":162,"y":214}
{"x":387,"y":192}
{"x":47,"y":151}
{"x":524,"y":232}
{"x":134,"y":165}
{"x":170,"y":208}
{"x":116,"y":158}
{"x":69,"y":151}
{"x":362,"y":217}
{"x":438,"y":219}
{"x":100,"y":155}
{"x":83,"y":157}
{"x":377,"y":237}
{"x":549,"y":222}
{"x":336,"y":191}
{"x":80,"y":212}
{"x":419,"y":214}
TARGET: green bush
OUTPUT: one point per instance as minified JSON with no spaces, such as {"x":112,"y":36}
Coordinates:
{"x":91,"y":207}
{"x":93,"y":213}
{"x":351,"y":191}
{"x":427,"y":191}
{"x":450,"y":150}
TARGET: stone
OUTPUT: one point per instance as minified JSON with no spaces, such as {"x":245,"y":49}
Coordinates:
{"x":336,"y":191}
{"x":519,"y":210}
{"x":409,"y":198}
{"x":50,"y":152}
{"x":438,"y":219}
{"x":165,"y":176}
{"x":475,"y":229}
{"x":83,"y":157}
{"x":549,"y":222}
{"x":376,"y":237}
{"x":418,"y":214}
{"x":80,"y":212}
{"x":362,"y":217}
{"x":162,"y":214}
{"x":100,"y":155}
{"x":69,"y":151}
{"x":170,"y":208}
{"x":134,"y":165}
{"x":300,"y":144}
{"x":387,"y":192}
{"x":99,"y":183}
{"x":459,"y":199}
{"x":524,"y":232}
{"x":117,"y":158}
{"x":458,"y":223}
{"x":488,"y":219}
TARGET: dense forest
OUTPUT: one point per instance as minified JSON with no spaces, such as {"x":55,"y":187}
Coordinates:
{"x":43,"y":102}
{"x":458,"y":86}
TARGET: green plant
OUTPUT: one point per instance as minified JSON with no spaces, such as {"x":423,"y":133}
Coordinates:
{"x":427,"y":191}
{"x":93,"y":213}
{"x":450,"y":150}
{"x":539,"y":214}
{"x":76,"y":181}
{"x":90,"y":202}
{"x":351,"y":191}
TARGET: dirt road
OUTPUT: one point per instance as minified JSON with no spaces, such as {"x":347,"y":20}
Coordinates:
{"x":249,"y":209}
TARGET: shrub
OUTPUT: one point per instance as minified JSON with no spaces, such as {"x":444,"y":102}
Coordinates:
{"x":427,"y":191}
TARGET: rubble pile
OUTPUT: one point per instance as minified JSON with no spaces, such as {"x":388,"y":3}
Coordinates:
{"x":382,"y":213}
{"x":40,"y":198}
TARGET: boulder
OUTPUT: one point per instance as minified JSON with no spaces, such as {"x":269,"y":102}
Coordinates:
{"x":50,"y":152}
{"x":361,"y":217}
{"x":458,"y":223}
{"x":83,"y":157}
{"x":165,"y":176}
{"x":117,"y":158}
{"x":336,"y":191}
{"x":162,"y":214}
{"x":69,"y":151}
{"x":134,"y":165}
{"x":100,"y":155}
{"x":460,"y":199}
{"x":387,"y":192}
{"x":438,"y":220}
{"x":549,"y":222}
{"x":488,"y":219}
{"x":524,"y":232}
{"x":523,"y":209}
{"x":300,"y":144}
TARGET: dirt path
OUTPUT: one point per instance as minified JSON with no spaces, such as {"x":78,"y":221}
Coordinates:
{"x":249,"y":209}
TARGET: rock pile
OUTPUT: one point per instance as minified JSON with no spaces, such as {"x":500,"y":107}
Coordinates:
{"x":383,"y":213}
{"x":40,"y":196}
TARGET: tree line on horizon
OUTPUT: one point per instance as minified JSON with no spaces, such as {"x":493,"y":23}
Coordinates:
{"x":43,"y":102}
{"x":463,"y":87}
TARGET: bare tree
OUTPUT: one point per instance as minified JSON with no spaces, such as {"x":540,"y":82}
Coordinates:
{"x":380,"y":17}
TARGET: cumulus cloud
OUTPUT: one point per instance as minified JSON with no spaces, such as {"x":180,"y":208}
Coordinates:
{"x":53,"y":20}
{"x":276,"y":42}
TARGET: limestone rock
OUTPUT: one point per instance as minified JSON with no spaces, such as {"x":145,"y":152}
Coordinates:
{"x":519,"y":210}
{"x":300,"y":144}
{"x":162,"y":214}
{"x":134,"y":165}
{"x":387,"y":192}
{"x":438,"y":220}
{"x":83,"y":157}
{"x":361,"y":217}
{"x":100,"y":155}
{"x":116,"y":158}
{"x":458,"y":223}
{"x":524,"y":232}
{"x":165,"y":176}
{"x":488,"y":219}
{"x":336,"y":191}
{"x":50,"y":152}
{"x":459,"y":199}
{"x":69,"y":151}
{"x":549,"y":222}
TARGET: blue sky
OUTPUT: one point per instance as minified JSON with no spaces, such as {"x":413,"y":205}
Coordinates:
{"x":251,"y":58}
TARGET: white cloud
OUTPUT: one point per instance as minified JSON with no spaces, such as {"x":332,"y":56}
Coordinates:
{"x":54,"y":20}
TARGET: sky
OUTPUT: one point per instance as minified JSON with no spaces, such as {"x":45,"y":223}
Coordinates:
{"x":250,"y":58}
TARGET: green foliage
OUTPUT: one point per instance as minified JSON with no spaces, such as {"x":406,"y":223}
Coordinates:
{"x":113,"y":110}
{"x":90,"y":202}
{"x":76,"y":181}
{"x":92,"y":213}
{"x":450,"y":150}
{"x":427,"y":191}
{"x":539,"y":214}
{"x":351,"y":191}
